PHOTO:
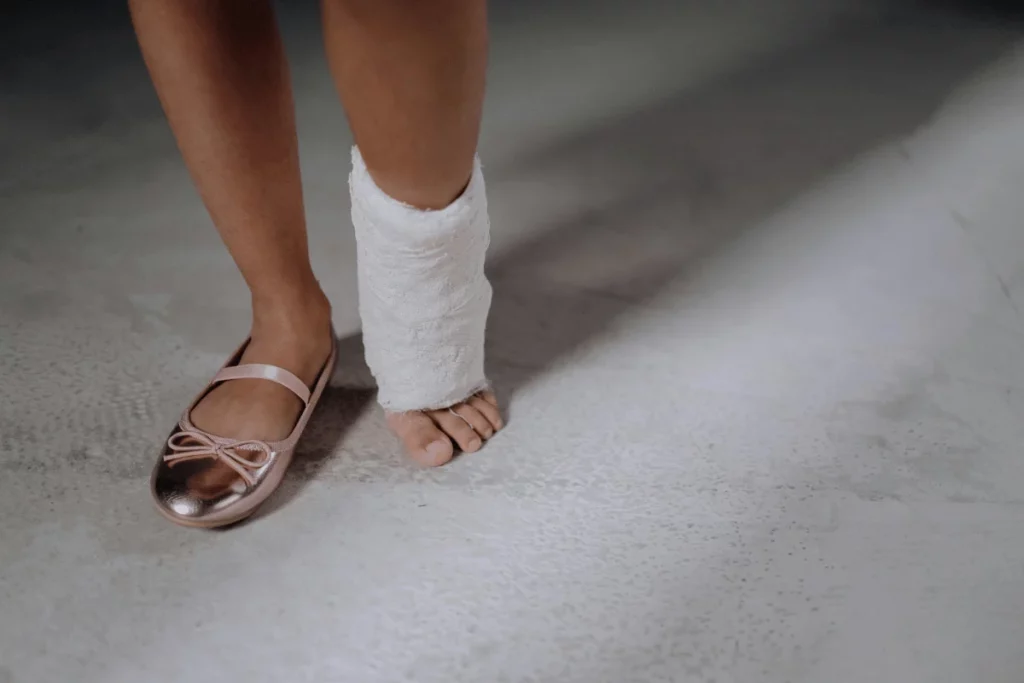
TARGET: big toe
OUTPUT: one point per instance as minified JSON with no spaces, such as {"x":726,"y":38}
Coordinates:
{"x":421,"y":438}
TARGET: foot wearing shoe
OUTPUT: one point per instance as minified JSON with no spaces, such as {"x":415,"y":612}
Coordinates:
{"x":297,"y":339}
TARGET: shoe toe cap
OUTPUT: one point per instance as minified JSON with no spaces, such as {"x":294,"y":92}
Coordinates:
{"x":198,"y":492}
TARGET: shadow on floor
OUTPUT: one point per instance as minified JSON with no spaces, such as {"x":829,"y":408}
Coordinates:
{"x":344,"y":400}
{"x":669,"y":187}
{"x":994,"y":10}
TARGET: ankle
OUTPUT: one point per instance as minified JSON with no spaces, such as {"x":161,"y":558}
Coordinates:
{"x":304,"y":315}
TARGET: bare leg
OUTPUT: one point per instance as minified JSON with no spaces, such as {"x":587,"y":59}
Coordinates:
{"x":220,"y":71}
{"x":411,"y":77}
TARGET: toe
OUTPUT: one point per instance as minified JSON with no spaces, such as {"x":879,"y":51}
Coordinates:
{"x":488,"y":410}
{"x":477,"y":420}
{"x":489,"y":396}
{"x":459,"y":429}
{"x":422,"y":439}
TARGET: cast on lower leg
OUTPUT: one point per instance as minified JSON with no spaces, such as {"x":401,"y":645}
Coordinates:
{"x":423,"y":295}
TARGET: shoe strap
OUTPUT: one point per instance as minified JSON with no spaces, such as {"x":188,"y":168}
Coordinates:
{"x":270,"y":372}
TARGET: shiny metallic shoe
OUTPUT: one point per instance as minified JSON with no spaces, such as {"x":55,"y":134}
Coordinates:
{"x":204,"y":480}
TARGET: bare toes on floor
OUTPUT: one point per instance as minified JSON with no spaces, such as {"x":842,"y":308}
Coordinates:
{"x":459,"y":422}
{"x":487,"y":405}
{"x":428,"y":436}
{"x":471,"y":422}
{"x":421,"y":438}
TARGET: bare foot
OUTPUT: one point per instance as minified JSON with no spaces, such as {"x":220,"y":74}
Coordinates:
{"x":428,"y":436}
{"x":298,"y":341}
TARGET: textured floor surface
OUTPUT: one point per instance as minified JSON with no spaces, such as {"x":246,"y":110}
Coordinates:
{"x":759,"y":288}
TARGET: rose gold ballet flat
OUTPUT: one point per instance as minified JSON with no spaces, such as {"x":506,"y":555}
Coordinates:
{"x":204,"y":480}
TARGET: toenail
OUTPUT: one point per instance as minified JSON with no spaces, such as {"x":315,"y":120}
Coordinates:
{"x":475,"y":444}
{"x":438,"y":449}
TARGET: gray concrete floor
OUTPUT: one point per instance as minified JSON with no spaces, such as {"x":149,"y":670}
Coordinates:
{"x":760,"y":278}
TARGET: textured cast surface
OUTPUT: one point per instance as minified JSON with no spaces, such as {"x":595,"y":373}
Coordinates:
{"x":758,"y":277}
{"x":423,"y":296}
